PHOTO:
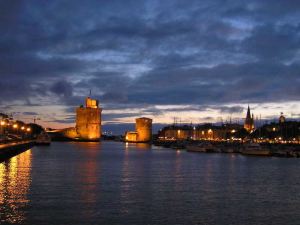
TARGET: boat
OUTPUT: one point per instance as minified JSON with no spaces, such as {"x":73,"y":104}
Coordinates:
{"x":43,"y":139}
{"x":202,"y":147}
{"x":255,"y":149}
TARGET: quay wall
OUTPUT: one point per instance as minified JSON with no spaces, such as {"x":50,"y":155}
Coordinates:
{"x":9,"y":150}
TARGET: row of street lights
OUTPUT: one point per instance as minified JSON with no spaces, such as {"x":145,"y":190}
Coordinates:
{"x":15,"y":126}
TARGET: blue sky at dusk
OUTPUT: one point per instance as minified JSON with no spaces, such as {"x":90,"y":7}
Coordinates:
{"x":195,"y":60}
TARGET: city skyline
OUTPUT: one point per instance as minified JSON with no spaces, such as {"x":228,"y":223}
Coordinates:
{"x":199,"y":61}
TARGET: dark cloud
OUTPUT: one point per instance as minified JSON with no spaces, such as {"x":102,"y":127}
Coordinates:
{"x":67,"y":120}
{"x":30,"y":113}
{"x":232,"y":109}
{"x":62,"y":88}
{"x":144,"y":53}
{"x":120,"y":129}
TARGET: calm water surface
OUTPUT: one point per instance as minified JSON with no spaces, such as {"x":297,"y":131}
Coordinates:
{"x":115,"y":183}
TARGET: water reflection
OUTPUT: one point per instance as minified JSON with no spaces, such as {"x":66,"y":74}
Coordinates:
{"x":137,"y":146}
{"x":143,"y":146}
{"x":15,"y":180}
{"x":88,"y":171}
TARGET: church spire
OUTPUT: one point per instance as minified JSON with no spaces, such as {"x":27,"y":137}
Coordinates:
{"x":249,"y":121}
{"x":248,"y":113}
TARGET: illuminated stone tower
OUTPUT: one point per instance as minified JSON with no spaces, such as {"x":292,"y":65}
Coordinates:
{"x":143,"y":128}
{"x":88,"y":120}
{"x":249,"y":121}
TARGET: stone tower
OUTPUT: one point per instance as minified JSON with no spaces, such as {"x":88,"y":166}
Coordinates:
{"x":249,"y":121}
{"x":88,"y":120}
{"x":143,"y":127}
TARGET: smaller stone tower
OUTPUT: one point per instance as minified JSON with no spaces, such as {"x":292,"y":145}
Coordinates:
{"x":88,"y":120}
{"x":143,"y":127}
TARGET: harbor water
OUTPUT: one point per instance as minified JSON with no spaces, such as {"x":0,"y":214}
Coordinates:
{"x":119,"y":183}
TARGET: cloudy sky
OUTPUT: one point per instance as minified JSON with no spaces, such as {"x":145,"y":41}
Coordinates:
{"x":195,"y":60}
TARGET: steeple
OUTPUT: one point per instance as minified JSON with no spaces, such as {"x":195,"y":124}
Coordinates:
{"x":248,"y":113}
{"x":249,"y":121}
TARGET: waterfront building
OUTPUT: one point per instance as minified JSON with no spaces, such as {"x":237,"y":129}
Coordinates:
{"x":249,"y":121}
{"x":131,"y":136}
{"x":202,"y":132}
{"x":289,"y":131}
{"x":143,"y":131}
{"x":88,"y":120}
{"x":176,"y":132}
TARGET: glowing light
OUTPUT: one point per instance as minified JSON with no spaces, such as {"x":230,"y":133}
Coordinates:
{"x":28,"y":129}
{"x":22,"y":128}
{"x":2,"y":123}
{"x":274,"y":129}
{"x":15,"y":126}
{"x":233,"y":131}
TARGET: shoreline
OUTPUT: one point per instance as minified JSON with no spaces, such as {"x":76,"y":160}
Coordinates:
{"x":10,"y":150}
{"x":276,"y":150}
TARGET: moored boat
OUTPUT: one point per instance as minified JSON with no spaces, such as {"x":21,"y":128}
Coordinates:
{"x":202,"y":147}
{"x":255,"y":149}
{"x":43,"y":139}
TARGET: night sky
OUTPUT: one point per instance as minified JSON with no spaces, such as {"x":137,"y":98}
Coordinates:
{"x":195,"y":60}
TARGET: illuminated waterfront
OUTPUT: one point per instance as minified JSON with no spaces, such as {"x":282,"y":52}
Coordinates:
{"x":117,"y":183}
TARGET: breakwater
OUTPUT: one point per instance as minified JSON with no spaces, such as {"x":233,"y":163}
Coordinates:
{"x":11,"y":149}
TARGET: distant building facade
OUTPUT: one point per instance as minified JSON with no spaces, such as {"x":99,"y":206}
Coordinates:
{"x":249,"y":121}
{"x":143,"y":131}
{"x":201,"y":132}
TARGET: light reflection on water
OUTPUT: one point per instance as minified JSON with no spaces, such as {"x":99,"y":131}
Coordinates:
{"x":15,"y":182}
{"x":119,"y":183}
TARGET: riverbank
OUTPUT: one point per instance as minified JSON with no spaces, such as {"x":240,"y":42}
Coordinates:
{"x":9,"y":150}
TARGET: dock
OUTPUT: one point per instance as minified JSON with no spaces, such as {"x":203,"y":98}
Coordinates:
{"x":12,"y":149}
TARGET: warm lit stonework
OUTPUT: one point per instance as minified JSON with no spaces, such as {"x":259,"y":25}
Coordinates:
{"x":88,"y":123}
{"x":131,"y":136}
{"x":88,"y":120}
{"x":143,"y":131}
